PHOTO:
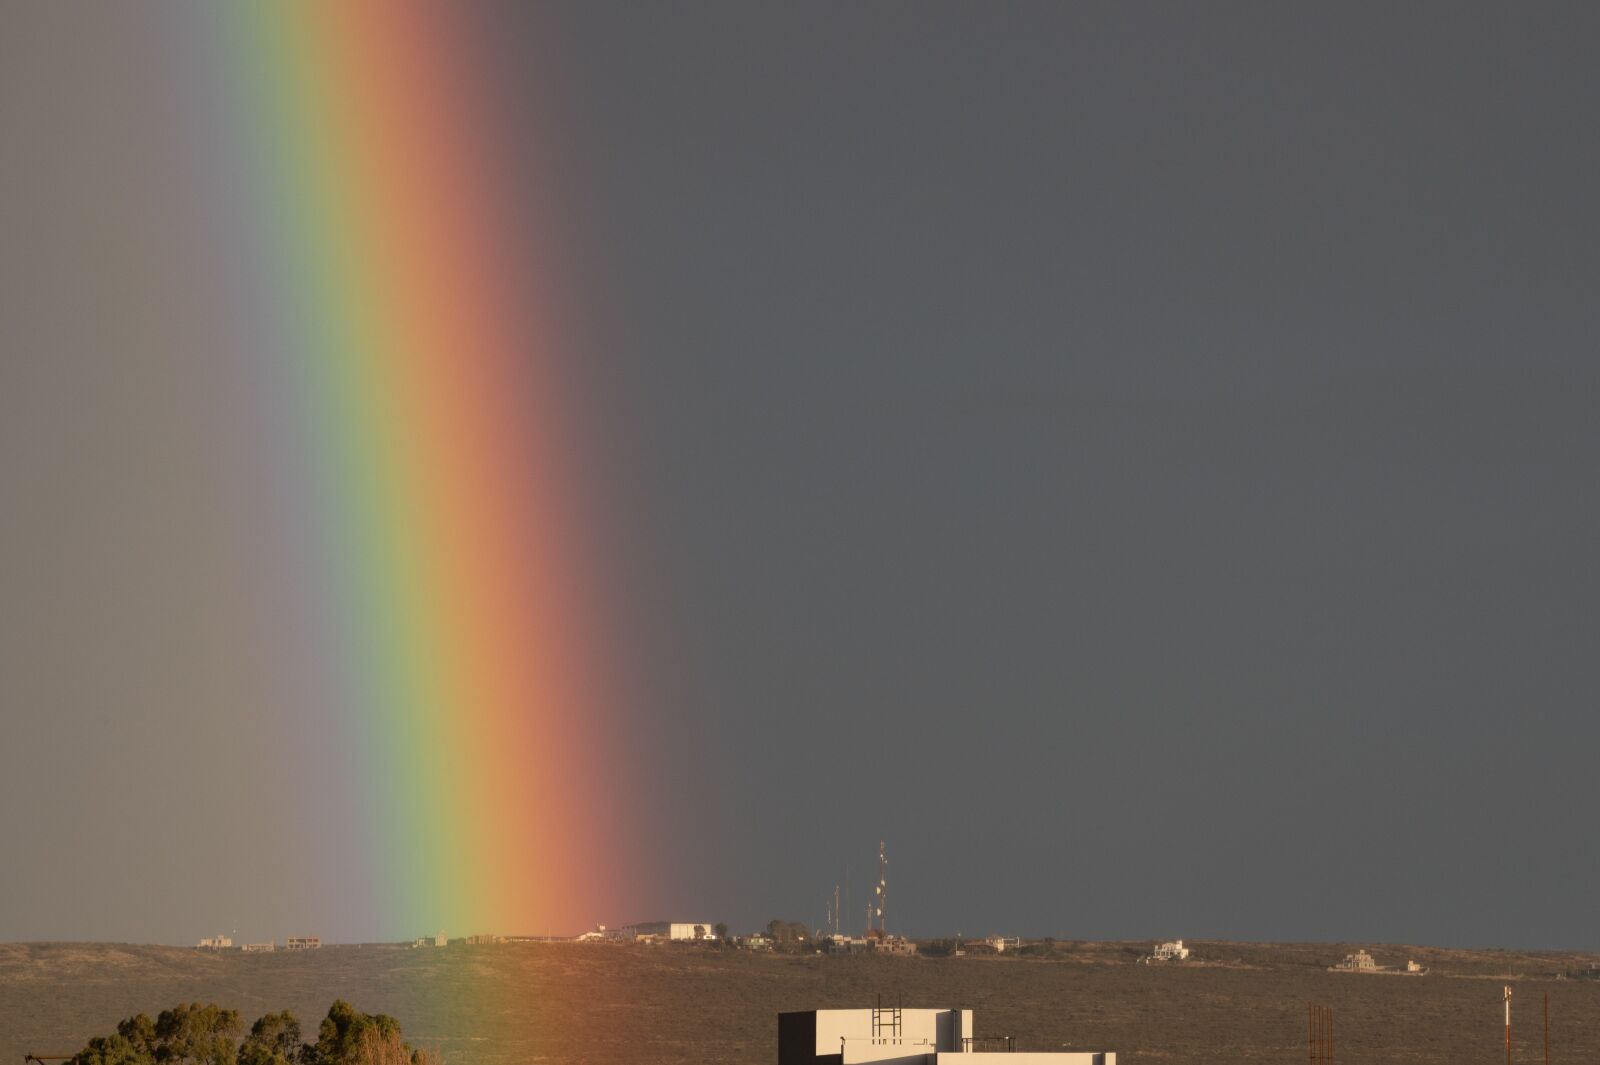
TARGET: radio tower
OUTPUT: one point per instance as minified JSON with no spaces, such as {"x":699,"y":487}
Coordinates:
{"x":883,"y":889}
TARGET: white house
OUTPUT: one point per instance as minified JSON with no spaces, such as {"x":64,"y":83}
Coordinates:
{"x":1173,"y":951}
{"x":1359,"y":962}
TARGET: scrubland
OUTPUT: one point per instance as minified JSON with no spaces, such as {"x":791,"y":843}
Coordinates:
{"x":566,"y":1002}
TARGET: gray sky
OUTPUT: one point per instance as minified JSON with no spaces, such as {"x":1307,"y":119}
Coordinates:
{"x":1139,"y":460}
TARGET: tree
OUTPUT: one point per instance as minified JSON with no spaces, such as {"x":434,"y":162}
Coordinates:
{"x":196,"y":1035}
{"x":113,"y":1050}
{"x":788,"y":935}
{"x":349,"y":1037}
{"x":139,"y":1030}
{"x":193,"y":1034}
{"x":273,"y":1040}
{"x":722,"y":931}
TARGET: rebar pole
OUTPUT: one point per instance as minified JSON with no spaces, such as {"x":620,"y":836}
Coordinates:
{"x":1547,"y":1028}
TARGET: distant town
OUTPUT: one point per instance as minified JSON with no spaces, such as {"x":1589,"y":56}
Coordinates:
{"x":795,"y":937}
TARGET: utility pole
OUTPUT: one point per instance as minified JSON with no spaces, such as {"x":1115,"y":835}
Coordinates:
{"x":1508,"y":1026}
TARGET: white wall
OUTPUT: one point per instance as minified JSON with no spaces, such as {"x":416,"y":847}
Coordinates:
{"x":922,"y":1032}
{"x":677,"y":930}
{"x":897,"y":1056}
{"x":927,"y":1037}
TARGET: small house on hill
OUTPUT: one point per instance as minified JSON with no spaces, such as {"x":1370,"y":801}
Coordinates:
{"x":1359,"y":962}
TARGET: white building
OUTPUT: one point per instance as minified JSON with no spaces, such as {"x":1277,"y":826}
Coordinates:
{"x":1359,"y":962}
{"x":678,"y":931}
{"x":259,"y":948}
{"x":303,"y":943}
{"x":1173,"y":951}
{"x":214,"y":943}
{"x":440,"y":939}
{"x":904,"y":1037}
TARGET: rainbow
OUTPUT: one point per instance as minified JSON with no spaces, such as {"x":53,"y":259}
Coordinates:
{"x":436,"y":479}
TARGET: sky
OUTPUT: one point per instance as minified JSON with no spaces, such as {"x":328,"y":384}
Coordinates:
{"x":1136,"y":460}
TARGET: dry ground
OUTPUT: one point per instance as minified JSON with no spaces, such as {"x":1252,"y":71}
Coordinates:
{"x":516,"y":1003}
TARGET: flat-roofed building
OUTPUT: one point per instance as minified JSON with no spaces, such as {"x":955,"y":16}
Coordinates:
{"x":303,"y":943}
{"x":905,"y":1037}
{"x":680,"y":931}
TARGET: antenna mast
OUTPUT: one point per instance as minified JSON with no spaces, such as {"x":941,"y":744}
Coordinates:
{"x":883,"y":889}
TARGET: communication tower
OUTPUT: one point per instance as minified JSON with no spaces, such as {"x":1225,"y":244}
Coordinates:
{"x":881,"y":900}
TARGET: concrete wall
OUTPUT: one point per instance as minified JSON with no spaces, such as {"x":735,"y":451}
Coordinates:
{"x":681,"y":930}
{"x":955,"y":1057}
{"x":927,"y":1037}
{"x":922,"y":1032}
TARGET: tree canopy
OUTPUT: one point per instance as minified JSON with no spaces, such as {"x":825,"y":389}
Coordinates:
{"x":788,"y":935}
{"x":195,"y":1034}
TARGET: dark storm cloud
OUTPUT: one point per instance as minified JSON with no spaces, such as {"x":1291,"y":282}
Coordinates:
{"x":1137,"y":460}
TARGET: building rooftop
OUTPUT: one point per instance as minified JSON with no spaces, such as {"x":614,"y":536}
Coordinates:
{"x":905,"y":1037}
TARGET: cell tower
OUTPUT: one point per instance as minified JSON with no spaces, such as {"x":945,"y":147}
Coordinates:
{"x":882,"y":899}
